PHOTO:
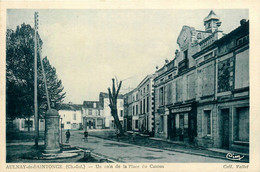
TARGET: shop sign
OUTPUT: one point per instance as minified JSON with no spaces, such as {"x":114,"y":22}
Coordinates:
{"x":182,"y":109}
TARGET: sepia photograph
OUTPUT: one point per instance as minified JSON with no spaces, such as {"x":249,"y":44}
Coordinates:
{"x":127,"y":86}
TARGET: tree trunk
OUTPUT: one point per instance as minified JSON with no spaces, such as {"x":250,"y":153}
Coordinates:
{"x":117,"y":122}
{"x":113,"y":105}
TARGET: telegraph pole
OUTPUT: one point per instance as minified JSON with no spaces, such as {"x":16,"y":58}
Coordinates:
{"x":36,"y":119}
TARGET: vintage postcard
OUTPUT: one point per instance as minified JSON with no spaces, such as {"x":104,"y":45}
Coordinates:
{"x":135,"y":86}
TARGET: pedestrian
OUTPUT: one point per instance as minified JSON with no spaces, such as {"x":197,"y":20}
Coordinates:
{"x":67,"y":136}
{"x":133,"y":136}
{"x":117,"y":134}
{"x":86,"y":136}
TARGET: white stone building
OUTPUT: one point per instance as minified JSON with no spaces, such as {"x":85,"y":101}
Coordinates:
{"x":71,"y":116}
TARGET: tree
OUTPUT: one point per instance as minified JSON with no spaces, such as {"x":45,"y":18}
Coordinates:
{"x":20,"y":75}
{"x":113,"y":105}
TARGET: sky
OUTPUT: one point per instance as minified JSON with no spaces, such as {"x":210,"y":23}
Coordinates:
{"x":90,"y":47}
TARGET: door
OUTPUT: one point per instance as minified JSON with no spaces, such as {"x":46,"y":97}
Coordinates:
{"x":225,"y":128}
{"x":181,"y":127}
{"x":171,"y":127}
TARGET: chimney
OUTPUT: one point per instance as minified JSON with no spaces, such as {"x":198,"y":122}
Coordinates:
{"x":242,"y":22}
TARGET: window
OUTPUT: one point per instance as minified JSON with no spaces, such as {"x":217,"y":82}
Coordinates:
{"x":144,"y":105}
{"x":121,"y":113}
{"x":90,"y":112}
{"x":185,"y":53}
{"x":136,"y":96}
{"x":141,"y":107}
{"x":242,"y":70}
{"x":26,"y":123}
{"x":133,"y":110}
{"x":241,"y":124}
{"x":161,"y":123}
{"x":136,"y":123}
{"x":74,"y":116}
{"x":136,"y":109}
{"x":170,"y":76}
{"x":147,"y":103}
{"x":207,"y":122}
{"x":199,"y":36}
{"x":144,"y":90}
{"x":161,"y":96}
{"x":148,"y":88}
{"x":22,"y":124}
{"x":68,"y":122}
{"x":133,"y":98}
{"x":208,"y":56}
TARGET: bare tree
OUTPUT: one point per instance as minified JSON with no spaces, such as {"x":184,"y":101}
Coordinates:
{"x":113,"y":105}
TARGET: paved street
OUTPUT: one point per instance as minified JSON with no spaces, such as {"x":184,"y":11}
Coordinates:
{"x":128,"y":153}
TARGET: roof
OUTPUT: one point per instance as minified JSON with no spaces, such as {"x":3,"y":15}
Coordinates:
{"x":90,"y":104}
{"x":70,"y":106}
{"x":212,"y":16}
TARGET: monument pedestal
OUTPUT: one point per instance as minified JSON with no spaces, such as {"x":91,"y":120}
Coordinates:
{"x":52,"y":131}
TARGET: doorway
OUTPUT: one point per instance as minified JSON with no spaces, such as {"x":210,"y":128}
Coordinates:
{"x":171,"y":127}
{"x":225,"y":128}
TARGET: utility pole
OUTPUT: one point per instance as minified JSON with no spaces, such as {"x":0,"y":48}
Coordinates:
{"x":36,"y":119}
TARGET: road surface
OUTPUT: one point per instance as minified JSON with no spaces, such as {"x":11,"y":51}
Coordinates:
{"x":129,"y":153}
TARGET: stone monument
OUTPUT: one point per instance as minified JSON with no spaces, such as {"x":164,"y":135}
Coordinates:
{"x":52,"y":131}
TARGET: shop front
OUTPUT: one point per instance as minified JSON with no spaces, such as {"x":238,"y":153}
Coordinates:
{"x":182,"y":123}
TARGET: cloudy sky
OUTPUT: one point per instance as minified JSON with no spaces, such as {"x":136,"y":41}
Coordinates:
{"x":89,"y":47}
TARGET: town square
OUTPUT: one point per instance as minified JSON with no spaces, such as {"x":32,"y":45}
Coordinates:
{"x":127,"y":86}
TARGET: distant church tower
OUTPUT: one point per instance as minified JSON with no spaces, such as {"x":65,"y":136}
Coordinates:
{"x":211,"y":22}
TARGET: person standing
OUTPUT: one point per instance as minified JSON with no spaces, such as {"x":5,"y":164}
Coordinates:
{"x":117,"y":134}
{"x":86,"y":136}
{"x":67,"y":136}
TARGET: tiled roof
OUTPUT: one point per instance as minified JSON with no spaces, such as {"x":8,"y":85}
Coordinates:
{"x":90,"y":104}
{"x":70,"y":106}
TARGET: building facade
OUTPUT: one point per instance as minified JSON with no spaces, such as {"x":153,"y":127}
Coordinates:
{"x":139,"y":106}
{"x":129,"y":109}
{"x":145,"y":116}
{"x":92,"y":115}
{"x":22,"y":124}
{"x":202,"y":96}
{"x":71,"y":116}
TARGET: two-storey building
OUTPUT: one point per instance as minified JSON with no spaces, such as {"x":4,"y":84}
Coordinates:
{"x":92,"y":115}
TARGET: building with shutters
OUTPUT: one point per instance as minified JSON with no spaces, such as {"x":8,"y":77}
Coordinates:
{"x":202,"y":96}
{"x":139,"y":106}
{"x":92,"y":115}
